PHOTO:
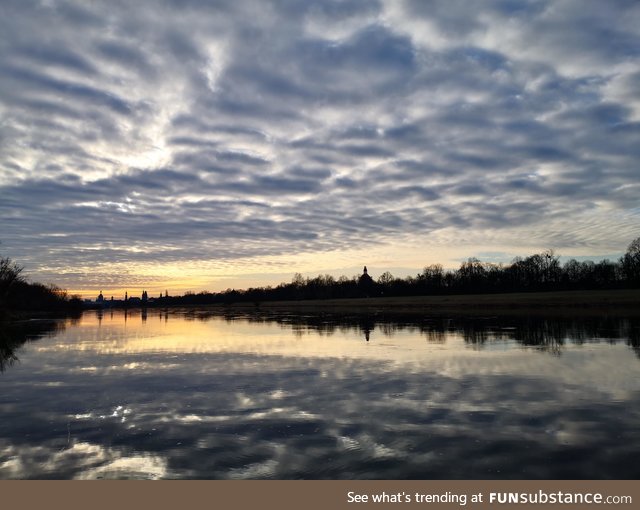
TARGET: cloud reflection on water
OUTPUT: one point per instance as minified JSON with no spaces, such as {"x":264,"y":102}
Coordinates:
{"x":73,"y":409}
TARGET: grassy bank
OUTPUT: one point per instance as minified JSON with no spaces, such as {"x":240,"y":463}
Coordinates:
{"x":615,"y":302}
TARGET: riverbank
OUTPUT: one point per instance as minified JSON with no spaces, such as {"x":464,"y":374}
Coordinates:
{"x":592,"y":302}
{"x":611,"y":302}
{"x":45,"y":315}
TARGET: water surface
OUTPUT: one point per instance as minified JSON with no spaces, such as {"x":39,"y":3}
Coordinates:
{"x":197,"y":394}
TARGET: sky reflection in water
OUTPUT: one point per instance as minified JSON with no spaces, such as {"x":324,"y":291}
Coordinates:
{"x":199,"y":396}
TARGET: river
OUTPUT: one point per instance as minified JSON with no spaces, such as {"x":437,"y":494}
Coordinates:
{"x":211,"y":395}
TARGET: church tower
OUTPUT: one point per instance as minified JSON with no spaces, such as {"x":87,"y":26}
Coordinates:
{"x":365,"y":281}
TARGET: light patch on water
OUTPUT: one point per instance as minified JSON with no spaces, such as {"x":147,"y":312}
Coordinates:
{"x":279,"y":394}
{"x":348,"y":443}
{"x":79,"y":459}
{"x":244,"y":401}
{"x":304,"y":415}
{"x":119,"y":412}
{"x":264,"y":469}
{"x":13,"y":467}
{"x":139,"y":467}
{"x":381,"y":451}
{"x":190,"y":418}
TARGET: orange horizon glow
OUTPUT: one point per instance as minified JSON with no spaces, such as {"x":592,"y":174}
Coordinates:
{"x":215,"y":276}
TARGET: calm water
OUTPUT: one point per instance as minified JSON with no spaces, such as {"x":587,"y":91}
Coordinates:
{"x":195,"y":395}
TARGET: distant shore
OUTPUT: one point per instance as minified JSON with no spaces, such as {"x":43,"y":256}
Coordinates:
{"x":623,"y":301}
{"x":581,"y":302}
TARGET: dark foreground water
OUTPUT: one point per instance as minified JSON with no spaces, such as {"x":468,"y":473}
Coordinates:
{"x":195,"y":395}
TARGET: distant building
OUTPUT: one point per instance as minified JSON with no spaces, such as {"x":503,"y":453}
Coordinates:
{"x":366,"y":284}
{"x":100,"y":298}
{"x":365,"y":279}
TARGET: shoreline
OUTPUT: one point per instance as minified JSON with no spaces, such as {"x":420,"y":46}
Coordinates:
{"x":624,"y":302}
{"x":580,"y":302}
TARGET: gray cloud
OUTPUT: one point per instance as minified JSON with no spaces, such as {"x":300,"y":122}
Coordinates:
{"x":266,"y":128}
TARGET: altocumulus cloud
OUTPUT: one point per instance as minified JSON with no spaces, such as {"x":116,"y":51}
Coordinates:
{"x":203,"y":130}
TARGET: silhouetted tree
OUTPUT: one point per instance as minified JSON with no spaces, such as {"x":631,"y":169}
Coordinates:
{"x":9,"y":275}
{"x":16,"y":293}
{"x":631,"y":263}
{"x":471,"y":274}
{"x":385,"y":278}
{"x":431,"y":279}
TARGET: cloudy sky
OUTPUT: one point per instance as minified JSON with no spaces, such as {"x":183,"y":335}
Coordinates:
{"x":210,"y":144}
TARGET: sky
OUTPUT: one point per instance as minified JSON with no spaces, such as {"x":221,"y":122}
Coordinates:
{"x":191,"y":145}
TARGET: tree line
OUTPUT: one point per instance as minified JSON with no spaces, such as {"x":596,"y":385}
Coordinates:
{"x":17,"y":293}
{"x":538,"y":272}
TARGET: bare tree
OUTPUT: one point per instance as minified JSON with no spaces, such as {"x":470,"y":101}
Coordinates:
{"x":631,"y":262}
{"x":9,"y":275}
{"x":385,"y":278}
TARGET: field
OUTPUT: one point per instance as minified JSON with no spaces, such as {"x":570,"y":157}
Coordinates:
{"x":613,"y":302}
